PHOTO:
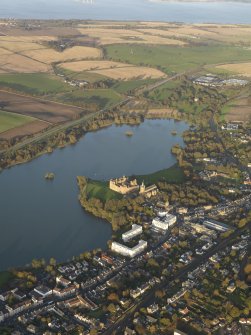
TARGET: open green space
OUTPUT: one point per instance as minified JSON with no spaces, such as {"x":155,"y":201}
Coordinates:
{"x":5,"y":277}
{"x":97,"y":97}
{"x":11,"y":120}
{"x":174,"y":59}
{"x":130,"y":85}
{"x":90,"y":77}
{"x":100,"y":190}
{"x":164,"y":91}
{"x":33,"y":83}
{"x":172,"y":175}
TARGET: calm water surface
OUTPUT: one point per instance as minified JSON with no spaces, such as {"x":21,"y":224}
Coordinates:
{"x":215,"y":12}
{"x":39,"y":218}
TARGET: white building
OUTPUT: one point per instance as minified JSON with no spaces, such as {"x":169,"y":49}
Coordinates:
{"x":43,"y":291}
{"x":215,"y":225}
{"x":178,"y":332}
{"x":129,"y":252}
{"x":164,"y":223}
{"x":135,"y":231}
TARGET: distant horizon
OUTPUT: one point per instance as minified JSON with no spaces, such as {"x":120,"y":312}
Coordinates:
{"x":225,"y":12}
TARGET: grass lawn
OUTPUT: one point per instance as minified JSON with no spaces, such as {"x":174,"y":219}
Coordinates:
{"x":100,"y":190}
{"x":172,"y":175}
{"x":100,"y":97}
{"x":11,"y":120}
{"x":173,"y":59}
{"x":33,"y":83}
{"x":5,"y":277}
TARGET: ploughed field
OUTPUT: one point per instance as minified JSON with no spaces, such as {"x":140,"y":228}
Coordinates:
{"x":92,"y":65}
{"x":31,"y":114}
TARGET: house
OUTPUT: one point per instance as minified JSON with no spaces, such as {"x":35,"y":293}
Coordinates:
{"x":150,"y":319}
{"x":231,"y":288}
{"x":152,"y":309}
{"x":19,"y":295}
{"x":62,"y":281}
{"x":129,"y":331}
{"x":64,"y":292}
{"x":44,"y":291}
{"x":5,"y":295}
{"x":21,"y":306}
{"x":32,"y":329}
{"x":36,"y":298}
{"x":124,"y":302}
{"x":4,"y":313}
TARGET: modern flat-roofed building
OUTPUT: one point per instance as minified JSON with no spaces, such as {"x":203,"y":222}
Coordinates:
{"x":135,"y":231}
{"x":215,"y":225}
{"x":164,"y":223}
{"x":129,"y":252}
{"x":44,"y":291}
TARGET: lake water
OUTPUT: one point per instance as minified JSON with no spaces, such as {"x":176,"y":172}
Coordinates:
{"x":40,"y":218}
{"x":215,"y":11}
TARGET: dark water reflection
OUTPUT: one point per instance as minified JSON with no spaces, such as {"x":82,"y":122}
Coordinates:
{"x":39,"y":218}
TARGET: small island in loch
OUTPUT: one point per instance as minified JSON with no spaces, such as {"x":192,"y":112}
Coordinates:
{"x":49,"y":176}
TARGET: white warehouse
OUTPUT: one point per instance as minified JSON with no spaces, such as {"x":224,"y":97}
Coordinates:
{"x":129,"y":252}
{"x":164,"y":223}
{"x":135,"y":231}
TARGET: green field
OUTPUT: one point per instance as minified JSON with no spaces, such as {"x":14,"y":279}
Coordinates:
{"x":172,"y":175}
{"x":33,"y":83}
{"x":164,"y":91}
{"x":98,"y":97}
{"x":10,"y":120}
{"x":174,"y":59}
{"x":5,"y":277}
{"x":127,"y":86}
{"x":90,"y":77}
{"x":100,"y":190}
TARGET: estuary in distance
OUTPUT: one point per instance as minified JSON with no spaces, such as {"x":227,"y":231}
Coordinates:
{"x":235,"y":12}
{"x":41,"y":218}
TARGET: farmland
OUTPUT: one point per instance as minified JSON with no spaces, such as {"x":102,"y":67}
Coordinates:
{"x":115,"y":36}
{"x":33,"y":83}
{"x":62,"y":71}
{"x":243,"y":69}
{"x":114,"y":70}
{"x":176,"y":59}
{"x":91,"y":65}
{"x":49,"y":56}
{"x":11,"y":120}
{"x":95,"y":98}
{"x":47,"y":111}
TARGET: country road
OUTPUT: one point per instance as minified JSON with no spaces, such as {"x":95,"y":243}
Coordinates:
{"x":70,"y":124}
